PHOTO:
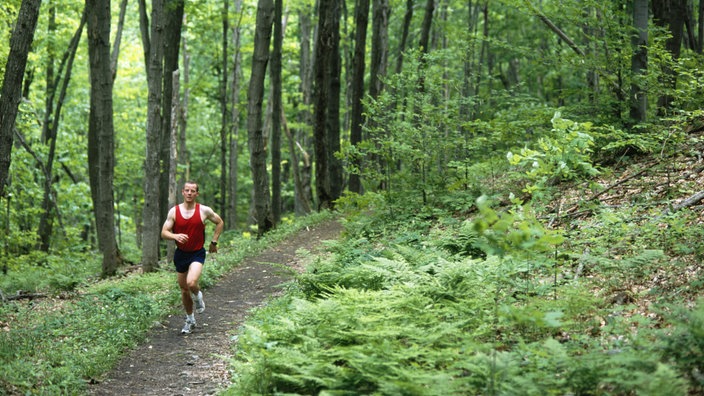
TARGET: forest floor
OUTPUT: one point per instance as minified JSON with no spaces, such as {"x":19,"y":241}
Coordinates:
{"x":169,"y":363}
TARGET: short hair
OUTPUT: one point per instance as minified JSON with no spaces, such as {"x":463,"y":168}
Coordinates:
{"x":191,"y":182}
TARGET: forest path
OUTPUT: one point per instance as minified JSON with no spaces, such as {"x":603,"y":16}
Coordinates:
{"x":169,"y":363}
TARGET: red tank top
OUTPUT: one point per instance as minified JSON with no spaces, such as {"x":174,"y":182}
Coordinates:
{"x":193,"y":227}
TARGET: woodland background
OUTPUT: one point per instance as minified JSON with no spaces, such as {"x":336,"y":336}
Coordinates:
{"x":401,"y":95}
{"x":405,"y":111}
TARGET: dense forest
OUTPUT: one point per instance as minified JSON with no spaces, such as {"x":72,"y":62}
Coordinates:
{"x":468,"y":114}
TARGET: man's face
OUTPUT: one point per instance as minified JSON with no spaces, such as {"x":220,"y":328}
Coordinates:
{"x":190,"y":192}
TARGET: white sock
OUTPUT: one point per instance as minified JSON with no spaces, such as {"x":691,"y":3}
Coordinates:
{"x":191,"y":317}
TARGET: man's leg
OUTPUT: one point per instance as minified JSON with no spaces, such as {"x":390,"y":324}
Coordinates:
{"x":194,"y":272}
{"x":187,"y":303}
{"x":185,"y":292}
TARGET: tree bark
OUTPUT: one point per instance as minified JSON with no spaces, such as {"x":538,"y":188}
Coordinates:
{"x":183,"y":155}
{"x":361,"y":17}
{"x":256,"y":141}
{"x":10,"y":94}
{"x":277,"y":109}
{"x":101,"y":132}
{"x":639,"y":60}
{"x":173,"y":151}
{"x":303,"y":193}
{"x":407,"y":18}
{"x":152,"y":169}
{"x":670,"y":15}
{"x":171,"y":41}
{"x":235,"y":120}
{"x":224,"y":111}
{"x":426,"y":25}
{"x":380,"y":47}
{"x":326,"y":86}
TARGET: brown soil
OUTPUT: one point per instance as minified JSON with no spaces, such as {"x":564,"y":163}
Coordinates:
{"x":169,"y":363}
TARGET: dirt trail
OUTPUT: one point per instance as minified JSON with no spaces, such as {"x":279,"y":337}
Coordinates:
{"x":169,"y":363}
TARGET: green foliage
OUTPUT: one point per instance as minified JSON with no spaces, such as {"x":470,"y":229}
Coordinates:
{"x":408,"y":315}
{"x":82,"y":327}
{"x":512,"y":232}
{"x":685,"y":345}
{"x":565,"y":157}
{"x":54,"y":353}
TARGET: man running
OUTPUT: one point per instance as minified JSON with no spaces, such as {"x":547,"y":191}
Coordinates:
{"x":185,"y":224}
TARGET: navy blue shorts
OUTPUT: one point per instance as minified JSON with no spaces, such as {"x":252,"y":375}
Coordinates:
{"x":183,"y":260}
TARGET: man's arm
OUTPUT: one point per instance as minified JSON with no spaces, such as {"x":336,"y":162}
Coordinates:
{"x":209,"y":214}
{"x":219,"y":224}
{"x":166,"y":229}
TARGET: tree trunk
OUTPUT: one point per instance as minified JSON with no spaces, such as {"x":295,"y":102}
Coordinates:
{"x":235,"y":121}
{"x":277,"y":108}
{"x":10,"y":94}
{"x":224,"y":111}
{"x":407,"y":18}
{"x":700,"y":28}
{"x":670,"y":15}
{"x":326,"y":94}
{"x":171,"y":39}
{"x":361,"y":17}
{"x":101,"y":132}
{"x":333,"y":119}
{"x":183,"y":155}
{"x":304,"y":194}
{"x":256,"y":141}
{"x":426,"y":25}
{"x":152,"y":169}
{"x":173,"y":152}
{"x":380,"y":47}
{"x":639,"y":60}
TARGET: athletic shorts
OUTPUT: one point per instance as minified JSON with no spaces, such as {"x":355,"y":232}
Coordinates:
{"x":183,"y":260}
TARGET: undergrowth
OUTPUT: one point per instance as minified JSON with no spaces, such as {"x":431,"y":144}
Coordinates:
{"x":490,"y":302}
{"x":77,"y":330}
{"x":531,"y":290}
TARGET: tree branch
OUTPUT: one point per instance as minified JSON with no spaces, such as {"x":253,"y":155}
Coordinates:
{"x":554,"y":28}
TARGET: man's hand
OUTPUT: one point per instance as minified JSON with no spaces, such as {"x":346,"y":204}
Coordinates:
{"x":213,"y":247}
{"x":181,"y":238}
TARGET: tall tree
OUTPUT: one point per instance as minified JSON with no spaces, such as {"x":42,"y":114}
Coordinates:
{"x":101,"y":132}
{"x":152,"y":42}
{"x":361,"y":17}
{"x":171,"y":40}
{"x":255,"y":130}
{"x":300,"y":138}
{"x":277,"y":108}
{"x":326,"y":102}
{"x":231,"y":213}
{"x":380,"y":47}
{"x":405,"y":29}
{"x":639,"y":60}
{"x":183,"y":154}
{"x":670,"y":15}
{"x":224,"y":110}
{"x":11,"y":92}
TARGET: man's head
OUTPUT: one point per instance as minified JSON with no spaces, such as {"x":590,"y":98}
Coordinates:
{"x":191,"y":184}
{"x":190,"y":190}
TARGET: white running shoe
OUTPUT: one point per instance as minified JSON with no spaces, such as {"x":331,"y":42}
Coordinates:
{"x":198,"y":301}
{"x":188,"y":327}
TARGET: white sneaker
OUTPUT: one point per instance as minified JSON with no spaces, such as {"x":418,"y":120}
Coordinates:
{"x":188,"y":327}
{"x":198,"y":301}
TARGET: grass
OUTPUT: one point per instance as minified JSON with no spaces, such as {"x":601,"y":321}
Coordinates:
{"x":54,"y":345}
